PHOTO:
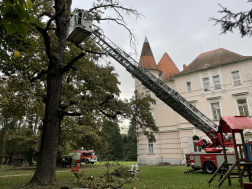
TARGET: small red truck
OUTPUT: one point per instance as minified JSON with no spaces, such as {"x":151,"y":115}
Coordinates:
{"x":87,"y":156}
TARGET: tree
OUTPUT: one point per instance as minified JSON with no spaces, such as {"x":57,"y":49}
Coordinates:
{"x":114,"y":140}
{"x":132,"y":142}
{"x":125,"y":145}
{"x":142,"y":120}
{"x":51,"y":68}
{"x":241,"y":20}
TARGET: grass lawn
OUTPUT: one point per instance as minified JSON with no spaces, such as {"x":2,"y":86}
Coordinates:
{"x":152,"y":177}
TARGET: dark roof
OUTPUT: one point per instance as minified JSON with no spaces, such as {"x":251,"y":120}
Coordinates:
{"x":167,"y":66}
{"x":211,"y":59}
{"x":147,"y":60}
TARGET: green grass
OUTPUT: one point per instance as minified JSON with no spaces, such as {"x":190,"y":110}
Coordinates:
{"x":151,"y":177}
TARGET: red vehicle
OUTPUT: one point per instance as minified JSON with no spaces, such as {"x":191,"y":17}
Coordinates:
{"x":208,"y":162}
{"x":87,"y":156}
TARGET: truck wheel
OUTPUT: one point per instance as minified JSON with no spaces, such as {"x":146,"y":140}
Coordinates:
{"x":92,"y":162}
{"x":87,"y":161}
{"x":209,"y":168}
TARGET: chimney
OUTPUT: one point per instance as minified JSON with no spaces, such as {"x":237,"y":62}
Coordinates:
{"x":184,"y":66}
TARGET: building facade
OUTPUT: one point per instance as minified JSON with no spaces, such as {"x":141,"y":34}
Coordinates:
{"x":218,"y":83}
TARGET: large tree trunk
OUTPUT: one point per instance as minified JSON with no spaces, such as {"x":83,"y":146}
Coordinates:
{"x":46,"y":164}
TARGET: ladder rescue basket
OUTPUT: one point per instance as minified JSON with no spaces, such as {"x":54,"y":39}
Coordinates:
{"x":80,"y":27}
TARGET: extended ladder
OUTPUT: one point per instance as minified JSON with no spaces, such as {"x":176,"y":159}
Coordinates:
{"x":154,"y":84}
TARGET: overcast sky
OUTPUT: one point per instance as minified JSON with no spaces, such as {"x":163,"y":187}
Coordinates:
{"x":178,"y":27}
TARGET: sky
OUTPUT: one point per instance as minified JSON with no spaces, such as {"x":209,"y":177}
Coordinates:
{"x":179,"y":27}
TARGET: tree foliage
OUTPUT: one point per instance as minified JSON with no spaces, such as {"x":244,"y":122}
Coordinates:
{"x":241,"y":20}
{"x":15,"y":15}
{"x":63,"y":85}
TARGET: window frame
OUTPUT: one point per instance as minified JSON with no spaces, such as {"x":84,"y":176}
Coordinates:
{"x":233,"y":83}
{"x":212,"y":114}
{"x":190,"y":87}
{"x":237,"y":106}
{"x":145,"y":93}
{"x":148,"y":142}
{"x":204,"y":84}
{"x":214,"y":83}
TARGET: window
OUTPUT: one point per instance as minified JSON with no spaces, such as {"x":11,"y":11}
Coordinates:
{"x":150,"y":146}
{"x":243,"y":107}
{"x":206,"y":84}
{"x":236,"y":78}
{"x":216,"y":110}
{"x":195,"y":147}
{"x":147,"y":93}
{"x":216,"y":81}
{"x":188,"y":87}
{"x":193,"y":103}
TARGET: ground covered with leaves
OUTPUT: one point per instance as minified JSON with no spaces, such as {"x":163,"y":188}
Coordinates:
{"x":150,"y":177}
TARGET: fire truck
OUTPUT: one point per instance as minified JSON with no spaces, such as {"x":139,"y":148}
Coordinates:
{"x":86,"y":156}
{"x":80,"y":26}
{"x":212,"y":158}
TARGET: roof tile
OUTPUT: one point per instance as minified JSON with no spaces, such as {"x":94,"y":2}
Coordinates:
{"x":211,"y":59}
{"x":147,"y":60}
{"x":167,"y":66}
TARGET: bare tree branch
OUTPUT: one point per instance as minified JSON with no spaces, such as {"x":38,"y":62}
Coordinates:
{"x":70,"y":64}
{"x":39,"y":75}
{"x":120,"y":20}
{"x":46,"y":42}
{"x":111,"y":116}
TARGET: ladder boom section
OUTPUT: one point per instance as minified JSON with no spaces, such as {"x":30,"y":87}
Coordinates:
{"x":154,"y":84}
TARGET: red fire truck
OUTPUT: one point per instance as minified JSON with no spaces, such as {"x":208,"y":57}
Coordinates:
{"x":211,"y":158}
{"x":87,"y":156}
{"x":206,"y":161}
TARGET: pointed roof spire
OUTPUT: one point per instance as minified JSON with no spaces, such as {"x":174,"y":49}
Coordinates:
{"x":167,"y":66}
{"x":146,"y":40}
{"x":147,"y":60}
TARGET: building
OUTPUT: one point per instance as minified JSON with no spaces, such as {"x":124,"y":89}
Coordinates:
{"x":216,"y":82}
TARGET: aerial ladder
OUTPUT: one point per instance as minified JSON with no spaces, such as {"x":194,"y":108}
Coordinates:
{"x":80,"y":26}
